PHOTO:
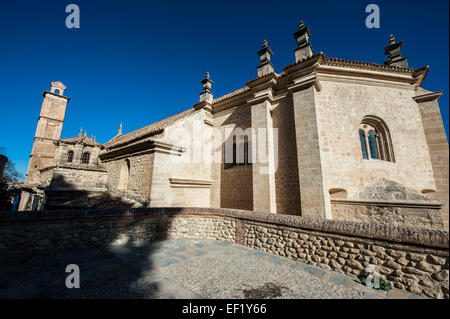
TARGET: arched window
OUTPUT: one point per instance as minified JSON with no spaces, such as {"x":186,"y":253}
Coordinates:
{"x":362,"y":137}
{"x":375,"y":140}
{"x":70,"y":157}
{"x":373,"y":145}
{"x":85,"y":158}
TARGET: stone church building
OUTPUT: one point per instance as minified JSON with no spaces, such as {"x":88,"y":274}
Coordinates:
{"x":326,"y":138}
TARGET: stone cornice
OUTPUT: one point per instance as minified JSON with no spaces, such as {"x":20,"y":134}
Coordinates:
{"x":427,"y":97}
{"x":140,"y":148}
{"x":189,"y":183}
{"x":54,"y":94}
{"x":305,"y":82}
{"x":388,"y":203}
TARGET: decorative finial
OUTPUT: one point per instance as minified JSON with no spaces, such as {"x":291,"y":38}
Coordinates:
{"x":266,"y":66}
{"x":391,"y":39}
{"x":304,"y":49}
{"x":206,"y":94}
{"x":393,"y":51}
{"x":85,"y":133}
{"x":119,"y":132}
{"x":80,"y":133}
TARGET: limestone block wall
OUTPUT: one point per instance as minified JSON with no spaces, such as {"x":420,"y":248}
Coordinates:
{"x":313,"y":192}
{"x":341,"y":105}
{"x":438,"y":148}
{"x":286,"y":176}
{"x":413,"y":259}
{"x":193,"y":135}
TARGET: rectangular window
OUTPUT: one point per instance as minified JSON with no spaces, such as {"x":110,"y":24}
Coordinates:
{"x":242,"y":153}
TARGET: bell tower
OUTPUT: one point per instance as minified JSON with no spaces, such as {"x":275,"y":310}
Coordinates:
{"x":48,"y":131}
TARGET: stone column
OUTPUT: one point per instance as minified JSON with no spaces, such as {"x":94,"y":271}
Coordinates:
{"x":314,"y":196}
{"x":263,"y":157}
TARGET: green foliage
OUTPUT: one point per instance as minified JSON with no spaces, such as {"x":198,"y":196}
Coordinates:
{"x":384,"y":285}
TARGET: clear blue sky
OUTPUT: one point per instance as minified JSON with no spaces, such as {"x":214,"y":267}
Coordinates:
{"x":137,"y":62}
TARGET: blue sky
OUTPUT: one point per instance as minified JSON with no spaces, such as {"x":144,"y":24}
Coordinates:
{"x":138,"y":62}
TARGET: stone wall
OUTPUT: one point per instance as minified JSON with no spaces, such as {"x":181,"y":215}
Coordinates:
{"x":386,"y":214}
{"x":341,"y":105}
{"x":412,"y":259}
{"x":313,"y":192}
{"x":67,"y":178}
{"x":286,"y":176}
{"x":437,"y":146}
{"x":139,"y":179}
{"x":233,"y":187}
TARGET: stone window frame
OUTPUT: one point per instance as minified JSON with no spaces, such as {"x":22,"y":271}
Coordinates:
{"x":86,"y":158}
{"x":376,"y":127}
{"x":70,"y":156}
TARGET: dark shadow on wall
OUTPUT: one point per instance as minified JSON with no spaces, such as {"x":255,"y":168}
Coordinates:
{"x":119,"y":260}
{"x":116,"y":255}
{"x":236,"y":183}
{"x":64,"y":195}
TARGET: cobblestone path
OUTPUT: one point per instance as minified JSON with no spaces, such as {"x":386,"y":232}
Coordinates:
{"x":183,"y":268}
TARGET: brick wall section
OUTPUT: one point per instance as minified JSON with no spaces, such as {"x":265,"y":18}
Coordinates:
{"x":438,"y":148}
{"x":412,"y":259}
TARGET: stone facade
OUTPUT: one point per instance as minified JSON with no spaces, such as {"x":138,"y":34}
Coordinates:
{"x":337,"y":137}
{"x":412,"y":259}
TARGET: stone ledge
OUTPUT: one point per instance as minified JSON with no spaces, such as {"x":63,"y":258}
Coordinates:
{"x":388,"y":203}
{"x":415,"y":236}
{"x":189,"y":183}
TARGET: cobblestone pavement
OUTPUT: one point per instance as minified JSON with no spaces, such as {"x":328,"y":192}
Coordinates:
{"x":183,"y":268}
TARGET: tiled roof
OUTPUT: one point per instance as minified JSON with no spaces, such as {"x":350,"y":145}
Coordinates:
{"x":149,"y":130}
{"x":230,"y":95}
{"x":86,"y":167}
{"x":368,"y":65}
{"x":81,"y":139}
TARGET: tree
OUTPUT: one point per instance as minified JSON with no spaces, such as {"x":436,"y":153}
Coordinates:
{"x":9,"y":185}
